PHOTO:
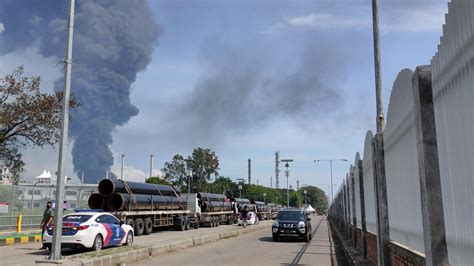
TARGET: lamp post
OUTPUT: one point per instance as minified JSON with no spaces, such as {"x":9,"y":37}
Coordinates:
{"x":264,"y":200}
{"x":121,"y":167}
{"x":330,"y":164}
{"x":305,"y":192}
{"x":240,"y":191}
{"x":151,"y":165}
{"x":190,"y":175}
{"x":287,"y":173}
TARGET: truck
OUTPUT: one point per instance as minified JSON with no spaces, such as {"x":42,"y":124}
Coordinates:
{"x":206,"y":209}
{"x":147,"y":206}
{"x":263,"y":210}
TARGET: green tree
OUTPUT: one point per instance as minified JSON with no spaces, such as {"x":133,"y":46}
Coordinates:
{"x":223,"y":185}
{"x":157,"y":180}
{"x":28,"y":117}
{"x":296,"y":199}
{"x":175,"y":171}
{"x":316,"y":197}
{"x":203,"y":163}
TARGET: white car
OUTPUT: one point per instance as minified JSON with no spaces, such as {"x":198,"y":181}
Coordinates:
{"x":251,"y":219}
{"x":93,"y":230}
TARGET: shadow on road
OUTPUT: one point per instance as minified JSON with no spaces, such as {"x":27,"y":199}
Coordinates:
{"x":289,"y":239}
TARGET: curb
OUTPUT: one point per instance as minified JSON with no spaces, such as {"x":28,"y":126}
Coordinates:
{"x":145,"y":252}
{"x":20,"y":240}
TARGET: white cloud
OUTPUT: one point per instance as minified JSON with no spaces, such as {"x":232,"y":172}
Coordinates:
{"x":2,"y":27}
{"x":419,"y":18}
{"x":328,"y":21}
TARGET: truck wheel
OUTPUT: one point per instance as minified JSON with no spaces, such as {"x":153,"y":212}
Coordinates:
{"x":196,"y":224}
{"x":218,"y":221}
{"x":139,"y":226}
{"x":186,"y":224}
{"x":130,"y":222}
{"x":148,"y":226}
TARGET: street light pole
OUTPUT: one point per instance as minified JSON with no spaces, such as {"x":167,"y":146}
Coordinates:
{"x":190,"y":175}
{"x":58,"y":224}
{"x":240,"y":191}
{"x":287,"y":173}
{"x":305,"y":192}
{"x":151,"y":165}
{"x":264,"y":200}
{"x":330,"y":165}
{"x":121,"y":168}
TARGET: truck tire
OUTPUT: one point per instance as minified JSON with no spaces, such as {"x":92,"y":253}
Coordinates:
{"x":139,"y":226}
{"x":131,"y":222}
{"x":179,"y":224}
{"x":186,"y":224}
{"x":148,"y":226}
{"x":218,"y":221}
{"x":196,"y":224}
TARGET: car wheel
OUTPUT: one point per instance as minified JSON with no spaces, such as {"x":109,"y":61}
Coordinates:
{"x":306,"y":238}
{"x":139,"y":226}
{"x":98,"y":243}
{"x":129,"y":240}
{"x":148,"y":226}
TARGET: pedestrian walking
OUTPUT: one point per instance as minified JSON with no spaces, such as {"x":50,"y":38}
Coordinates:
{"x":244,"y":213}
{"x":48,"y":216}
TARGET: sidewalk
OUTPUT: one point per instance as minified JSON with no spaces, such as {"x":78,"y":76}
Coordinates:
{"x":13,"y":237}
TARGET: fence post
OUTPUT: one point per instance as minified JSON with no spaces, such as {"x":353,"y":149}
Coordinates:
{"x":381,"y":202}
{"x":362,"y":208}
{"x":436,"y":250}
{"x":353,"y":206}
{"x":19,"y":221}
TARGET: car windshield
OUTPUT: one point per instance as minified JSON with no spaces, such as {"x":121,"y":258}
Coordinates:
{"x":290,"y":215}
{"x":76,"y":218}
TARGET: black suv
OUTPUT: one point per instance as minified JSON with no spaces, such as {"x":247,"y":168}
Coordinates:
{"x":292,"y":222}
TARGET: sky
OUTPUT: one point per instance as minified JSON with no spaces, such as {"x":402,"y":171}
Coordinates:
{"x":248,"y":78}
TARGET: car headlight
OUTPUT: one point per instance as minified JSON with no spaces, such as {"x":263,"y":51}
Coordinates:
{"x":276,"y":224}
{"x":301,"y":224}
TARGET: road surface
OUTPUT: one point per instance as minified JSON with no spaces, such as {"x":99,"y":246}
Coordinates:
{"x":258,"y":248}
{"x":26,"y":254}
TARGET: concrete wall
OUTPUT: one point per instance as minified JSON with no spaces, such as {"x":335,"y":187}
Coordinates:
{"x":453,"y":97}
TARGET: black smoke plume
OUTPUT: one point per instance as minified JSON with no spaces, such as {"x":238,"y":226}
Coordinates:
{"x":113,"y":40}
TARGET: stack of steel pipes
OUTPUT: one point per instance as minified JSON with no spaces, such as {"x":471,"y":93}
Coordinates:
{"x":210,"y":202}
{"x":118,"y":195}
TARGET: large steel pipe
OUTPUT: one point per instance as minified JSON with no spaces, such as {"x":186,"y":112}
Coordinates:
{"x":211,"y":196}
{"x":107,"y":187}
{"x":124,"y":201}
{"x":208,"y":206}
{"x":96,"y":201}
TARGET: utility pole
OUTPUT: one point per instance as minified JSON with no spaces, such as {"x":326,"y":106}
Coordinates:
{"x":271,"y":181}
{"x":380,"y":184}
{"x":121,"y":168}
{"x":250,"y":171}
{"x":297,"y":185}
{"x":55,"y":253}
{"x":277,"y":169}
{"x":151,"y":165}
{"x":287,"y":173}
{"x":330,"y":166}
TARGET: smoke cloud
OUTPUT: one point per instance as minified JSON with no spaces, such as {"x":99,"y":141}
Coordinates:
{"x":244,"y":87}
{"x":113,"y":40}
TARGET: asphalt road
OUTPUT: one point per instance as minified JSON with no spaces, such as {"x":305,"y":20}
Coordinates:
{"x":257,"y":248}
{"x":27,"y":254}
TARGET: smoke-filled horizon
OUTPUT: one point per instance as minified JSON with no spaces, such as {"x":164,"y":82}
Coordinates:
{"x":113,"y":41}
{"x":242,"y":87}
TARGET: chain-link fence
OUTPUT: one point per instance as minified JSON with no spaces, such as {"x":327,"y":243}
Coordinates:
{"x":29,"y":201}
